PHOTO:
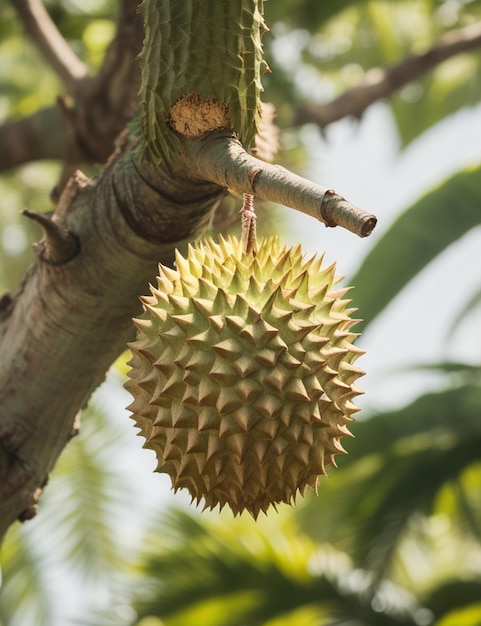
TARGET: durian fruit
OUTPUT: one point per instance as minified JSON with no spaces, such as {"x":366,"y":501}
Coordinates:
{"x":243,"y":373}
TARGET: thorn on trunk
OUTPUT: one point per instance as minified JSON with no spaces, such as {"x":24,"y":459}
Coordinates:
{"x":58,"y":245}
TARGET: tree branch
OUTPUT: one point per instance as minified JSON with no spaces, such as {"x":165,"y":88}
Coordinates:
{"x":103,"y":104}
{"x":381,"y":83}
{"x":46,"y":134}
{"x":107,"y":103}
{"x":50,"y":42}
{"x":221,"y":159}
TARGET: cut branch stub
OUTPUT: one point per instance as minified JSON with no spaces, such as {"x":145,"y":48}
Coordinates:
{"x":191,"y":116}
{"x":59,"y":245}
{"x":334,"y":208}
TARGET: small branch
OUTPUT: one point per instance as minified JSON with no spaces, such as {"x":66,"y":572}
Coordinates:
{"x":221,"y":159}
{"x":50,"y":42}
{"x":59,"y":245}
{"x":381,"y":83}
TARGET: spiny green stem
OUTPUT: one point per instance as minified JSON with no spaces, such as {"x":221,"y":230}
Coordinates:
{"x":206,"y":51}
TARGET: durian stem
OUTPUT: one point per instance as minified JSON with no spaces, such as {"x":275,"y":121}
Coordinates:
{"x":220,"y":158}
{"x":249,"y":242}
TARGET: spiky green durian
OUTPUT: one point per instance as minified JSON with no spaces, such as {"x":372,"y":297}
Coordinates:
{"x":243,"y":373}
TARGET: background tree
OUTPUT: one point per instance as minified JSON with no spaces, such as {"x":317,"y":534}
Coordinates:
{"x":418,"y":465}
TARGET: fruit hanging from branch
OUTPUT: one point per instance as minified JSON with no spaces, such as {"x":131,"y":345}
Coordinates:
{"x":243,"y":373}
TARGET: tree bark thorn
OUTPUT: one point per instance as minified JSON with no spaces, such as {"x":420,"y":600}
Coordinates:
{"x":58,"y":245}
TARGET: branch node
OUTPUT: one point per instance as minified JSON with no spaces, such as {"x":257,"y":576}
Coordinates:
{"x":336,"y":210}
{"x":328,"y":205}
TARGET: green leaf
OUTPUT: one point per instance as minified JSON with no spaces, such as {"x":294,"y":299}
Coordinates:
{"x":75,"y":531}
{"x":468,"y":615}
{"x":420,"y":234}
{"x":24,"y":597}
{"x":468,"y":308}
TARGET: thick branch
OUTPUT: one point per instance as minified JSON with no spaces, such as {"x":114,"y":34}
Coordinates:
{"x":381,"y":83}
{"x":220,"y":158}
{"x":50,"y":42}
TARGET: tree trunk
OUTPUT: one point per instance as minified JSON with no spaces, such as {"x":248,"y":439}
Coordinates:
{"x":72,"y":318}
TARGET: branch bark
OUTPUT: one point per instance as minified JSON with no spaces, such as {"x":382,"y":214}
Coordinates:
{"x":381,"y":83}
{"x":46,"y":134}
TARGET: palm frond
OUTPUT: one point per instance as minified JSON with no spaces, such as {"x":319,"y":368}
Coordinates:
{"x":241,"y":573}
{"x":24,"y":596}
{"x":79,"y":545}
{"x":453,"y":595}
